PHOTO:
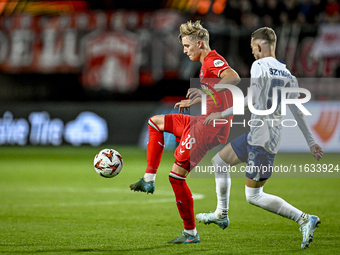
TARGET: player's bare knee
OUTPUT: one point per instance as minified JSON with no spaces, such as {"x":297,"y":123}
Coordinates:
{"x":180,"y":170}
{"x":229,"y":156}
{"x":158,"y":120}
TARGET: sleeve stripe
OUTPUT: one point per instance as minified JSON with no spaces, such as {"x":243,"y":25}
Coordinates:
{"x":219,"y":72}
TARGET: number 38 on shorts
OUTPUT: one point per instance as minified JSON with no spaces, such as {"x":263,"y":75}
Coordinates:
{"x":188,"y":142}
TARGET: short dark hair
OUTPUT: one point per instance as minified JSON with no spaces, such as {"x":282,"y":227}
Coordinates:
{"x":265,"y":33}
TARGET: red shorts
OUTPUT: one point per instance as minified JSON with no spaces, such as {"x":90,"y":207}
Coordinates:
{"x":195,"y":139}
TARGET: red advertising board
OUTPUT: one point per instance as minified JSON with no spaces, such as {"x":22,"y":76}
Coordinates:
{"x":109,"y":50}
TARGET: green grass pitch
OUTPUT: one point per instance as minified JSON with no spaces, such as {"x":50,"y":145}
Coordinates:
{"x":53,"y":202}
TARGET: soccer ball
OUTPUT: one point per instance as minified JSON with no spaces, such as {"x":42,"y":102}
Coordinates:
{"x":108,"y":163}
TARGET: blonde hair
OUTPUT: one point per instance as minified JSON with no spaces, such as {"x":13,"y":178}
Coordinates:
{"x":265,"y":33}
{"x":195,"y":31}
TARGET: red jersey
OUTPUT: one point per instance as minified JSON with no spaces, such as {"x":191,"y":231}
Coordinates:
{"x":213,"y":65}
{"x":195,"y":138}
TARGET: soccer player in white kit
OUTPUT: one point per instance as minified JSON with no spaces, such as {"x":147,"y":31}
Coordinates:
{"x":259,"y":146}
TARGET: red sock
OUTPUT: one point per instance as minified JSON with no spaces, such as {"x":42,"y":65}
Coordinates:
{"x":184,"y":200}
{"x":154,"y":149}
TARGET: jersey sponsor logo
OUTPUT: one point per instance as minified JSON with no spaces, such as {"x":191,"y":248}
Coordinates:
{"x":218,"y":63}
{"x":41,"y":129}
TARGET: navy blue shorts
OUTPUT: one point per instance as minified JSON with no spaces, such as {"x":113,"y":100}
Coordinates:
{"x":259,"y":161}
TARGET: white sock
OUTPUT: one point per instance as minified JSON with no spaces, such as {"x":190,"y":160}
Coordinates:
{"x":274,"y":204}
{"x":149,"y":177}
{"x":191,"y":232}
{"x":302,"y":218}
{"x":223,"y":183}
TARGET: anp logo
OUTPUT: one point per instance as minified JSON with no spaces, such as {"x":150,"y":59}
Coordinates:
{"x":210,"y":94}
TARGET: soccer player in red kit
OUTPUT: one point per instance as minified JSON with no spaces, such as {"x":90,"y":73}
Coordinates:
{"x":194,"y":138}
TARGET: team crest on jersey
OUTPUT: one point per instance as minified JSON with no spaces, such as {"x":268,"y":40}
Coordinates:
{"x":218,"y":63}
{"x":251,"y":156}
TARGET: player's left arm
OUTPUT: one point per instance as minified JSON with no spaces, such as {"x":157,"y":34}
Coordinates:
{"x":315,"y":149}
{"x":228,"y":76}
{"x":229,"y":111}
{"x":255,"y":73}
{"x":184,"y":105}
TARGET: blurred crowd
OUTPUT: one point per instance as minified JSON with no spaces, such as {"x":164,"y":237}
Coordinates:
{"x":244,"y":12}
{"x":278,"y":12}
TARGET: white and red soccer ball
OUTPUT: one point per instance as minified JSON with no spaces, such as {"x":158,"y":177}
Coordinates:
{"x":108,"y":163}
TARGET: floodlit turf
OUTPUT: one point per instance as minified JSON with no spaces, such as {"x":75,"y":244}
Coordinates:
{"x":53,"y":202}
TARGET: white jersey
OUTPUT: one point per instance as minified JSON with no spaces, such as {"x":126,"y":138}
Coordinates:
{"x":266,"y":130}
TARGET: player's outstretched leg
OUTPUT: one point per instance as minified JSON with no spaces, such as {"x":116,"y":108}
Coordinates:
{"x":308,"y":223}
{"x":186,"y":238}
{"x":307,"y":229}
{"x":143,"y":186}
{"x":208,"y":218}
{"x":154,"y":152}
